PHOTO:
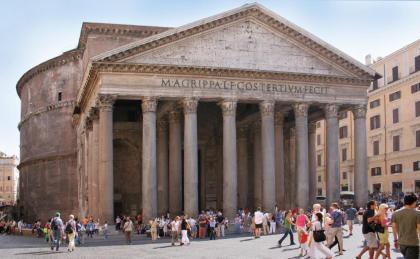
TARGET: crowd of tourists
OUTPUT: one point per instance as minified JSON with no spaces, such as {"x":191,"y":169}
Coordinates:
{"x":317,"y":231}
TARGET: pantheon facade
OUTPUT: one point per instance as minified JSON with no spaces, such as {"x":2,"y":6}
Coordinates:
{"x":219,"y":113}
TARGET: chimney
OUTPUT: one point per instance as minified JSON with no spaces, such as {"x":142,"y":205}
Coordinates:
{"x":368,"y":60}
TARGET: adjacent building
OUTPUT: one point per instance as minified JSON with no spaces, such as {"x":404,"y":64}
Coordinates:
{"x":9,"y":178}
{"x":393,"y":128}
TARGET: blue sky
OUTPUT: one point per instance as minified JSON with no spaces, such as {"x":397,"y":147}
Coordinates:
{"x":34,"y":31}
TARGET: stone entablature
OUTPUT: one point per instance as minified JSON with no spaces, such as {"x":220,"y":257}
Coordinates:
{"x":111,"y":73}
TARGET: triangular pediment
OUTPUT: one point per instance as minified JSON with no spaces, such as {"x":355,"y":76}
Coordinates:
{"x":250,"y":37}
{"x":242,"y":45}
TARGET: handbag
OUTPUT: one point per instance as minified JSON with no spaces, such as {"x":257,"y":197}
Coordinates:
{"x":319,"y":235}
{"x":376,"y":227}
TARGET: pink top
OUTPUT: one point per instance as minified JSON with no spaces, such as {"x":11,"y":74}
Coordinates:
{"x":300,"y":220}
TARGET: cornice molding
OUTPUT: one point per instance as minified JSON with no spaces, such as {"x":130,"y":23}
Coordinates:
{"x":77,"y":53}
{"x":42,"y":159}
{"x":47,"y":108}
{"x":65,"y":58}
{"x":109,"y":67}
{"x":253,"y":11}
{"x":117,"y":30}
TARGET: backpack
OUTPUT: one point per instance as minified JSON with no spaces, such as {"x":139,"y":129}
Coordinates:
{"x":319,"y":235}
{"x":69,"y":229}
{"x":54,"y":225}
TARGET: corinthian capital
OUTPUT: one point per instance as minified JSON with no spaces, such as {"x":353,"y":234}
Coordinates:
{"x":228,"y":107}
{"x":94,"y":113}
{"x":106,"y":101}
{"x":359,"y":111}
{"x":267,"y":107}
{"x":312,"y":127}
{"x":88,"y":123}
{"x":331,"y":110}
{"x":301,"y":109}
{"x":149,"y":104}
{"x":174,"y":116}
{"x":162,"y":125}
{"x":190,"y":105}
{"x":279,"y":118}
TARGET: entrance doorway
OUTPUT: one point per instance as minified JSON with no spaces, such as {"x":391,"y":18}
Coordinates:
{"x":396,"y":188}
{"x":376,"y":188}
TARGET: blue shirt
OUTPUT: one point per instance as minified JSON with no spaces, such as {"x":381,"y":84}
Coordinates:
{"x":337,"y":217}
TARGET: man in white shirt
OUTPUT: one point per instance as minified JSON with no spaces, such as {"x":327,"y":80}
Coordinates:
{"x":258,"y":220}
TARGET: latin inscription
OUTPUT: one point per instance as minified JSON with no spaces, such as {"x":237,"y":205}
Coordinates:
{"x":242,"y":86}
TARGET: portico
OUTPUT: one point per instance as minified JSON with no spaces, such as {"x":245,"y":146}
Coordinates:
{"x":212,"y":105}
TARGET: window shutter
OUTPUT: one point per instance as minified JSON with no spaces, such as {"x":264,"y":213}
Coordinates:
{"x":395,"y":73}
{"x":417,"y":108}
{"x":417,"y":63}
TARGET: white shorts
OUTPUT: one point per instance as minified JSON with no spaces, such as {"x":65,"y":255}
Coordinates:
{"x":371,"y":240}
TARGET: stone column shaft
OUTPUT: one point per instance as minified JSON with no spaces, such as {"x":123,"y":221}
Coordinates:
{"x":96,"y":192}
{"x":360,"y":160}
{"x":302,"y":162}
{"x":268,"y":162}
{"x":175,"y":163}
{"x":106,"y":176}
{"x":257,"y":166}
{"x":312,"y":163}
{"x":88,"y":163}
{"x":292,"y":169}
{"x":162,"y":167}
{"x":333,"y":157}
{"x":242,"y":149}
{"x":280,"y":162}
{"x":149,"y":181}
{"x":230,"y":174}
{"x":190,"y":157}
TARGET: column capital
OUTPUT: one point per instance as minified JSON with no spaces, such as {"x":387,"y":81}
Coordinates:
{"x":94,"y":113}
{"x":279,"y":118}
{"x":331,"y":110}
{"x":228,"y":107}
{"x":267,"y":107}
{"x":301,"y":109}
{"x":312,"y":127}
{"x":190,"y":105}
{"x":149,"y":104}
{"x":106,"y":101}
{"x":174,"y":116}
{"x":162,"y":125}
{"x":242,"y":131}
{"x":359,"y":111}
{"x":89,"y":123}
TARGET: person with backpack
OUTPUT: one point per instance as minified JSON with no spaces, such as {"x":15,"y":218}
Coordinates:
{"x":317,"y":248}
{"x":57,"y":231}
{"x":71,"y":232}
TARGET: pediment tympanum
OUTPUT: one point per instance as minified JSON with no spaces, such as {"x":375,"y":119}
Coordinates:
{"x":246,"y":44}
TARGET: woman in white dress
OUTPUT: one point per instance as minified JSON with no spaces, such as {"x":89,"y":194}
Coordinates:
{"x":318,"y":249}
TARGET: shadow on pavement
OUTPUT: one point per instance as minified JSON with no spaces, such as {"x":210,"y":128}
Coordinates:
{"x":41,"y":253}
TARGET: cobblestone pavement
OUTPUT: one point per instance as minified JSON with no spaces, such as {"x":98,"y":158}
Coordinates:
{"x":234,"y":246}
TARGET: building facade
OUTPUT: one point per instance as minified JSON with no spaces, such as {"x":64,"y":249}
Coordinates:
{"x":219,"y":113}
{"x":9,"y":178}
{"x":393,"y":128}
